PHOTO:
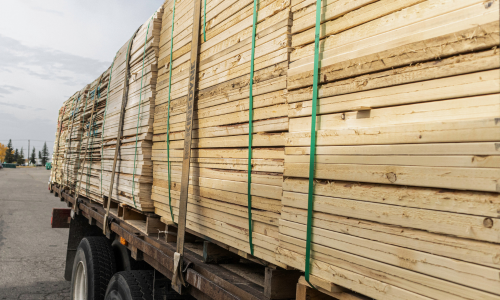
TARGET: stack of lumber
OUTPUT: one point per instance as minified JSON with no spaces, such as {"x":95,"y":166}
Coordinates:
{"x":71,"y":161}
{"x":89,"y":172}
{"x":217,"y":201}
{"x":134,"y":155}
{"x":60,"y":142}
{"x":407,"y":172}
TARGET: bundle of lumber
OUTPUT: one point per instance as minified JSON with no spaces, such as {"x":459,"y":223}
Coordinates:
{"x":407,"y":172}
{"x":58,"y":152}
{"x":89,"y":171}
{"x":71,"y":160}
{"x":131,"y":101}
{"x":218,"y":181}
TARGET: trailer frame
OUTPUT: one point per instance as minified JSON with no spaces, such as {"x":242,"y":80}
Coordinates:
{"x":206,"y":279}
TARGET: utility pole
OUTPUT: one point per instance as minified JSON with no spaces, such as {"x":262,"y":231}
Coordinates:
{"x":28,"y":152}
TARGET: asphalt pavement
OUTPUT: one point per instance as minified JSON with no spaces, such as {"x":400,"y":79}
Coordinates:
{"x":32,"y":255}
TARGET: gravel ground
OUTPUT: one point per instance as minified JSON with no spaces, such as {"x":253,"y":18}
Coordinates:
{"x":32,"y":255}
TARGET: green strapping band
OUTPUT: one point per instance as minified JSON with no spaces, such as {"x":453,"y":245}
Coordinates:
{"x":81,"y":142}
{"x":104,"y":120}
{"x":204,"y":20}
{"x":91,"y":127}
{"x":312,"y":155}
{"x":250,"y":127}
{"x":81,"y":139}
{"x":168,"y":114}
{"x":139,"y":114}
{"x":70,"y":134}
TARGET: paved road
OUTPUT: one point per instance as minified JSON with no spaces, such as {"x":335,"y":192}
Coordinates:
{"x":32,"y":255}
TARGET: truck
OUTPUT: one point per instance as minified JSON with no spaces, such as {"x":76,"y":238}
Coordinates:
{"x":135,"y":255}
{"x":288,"y":149}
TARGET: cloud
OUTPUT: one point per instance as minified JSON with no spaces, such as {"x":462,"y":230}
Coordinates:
{"x":48,"y":64}
{"x":8,"y":89}
{"x":20,"y":106}
{"x":50,"y":11}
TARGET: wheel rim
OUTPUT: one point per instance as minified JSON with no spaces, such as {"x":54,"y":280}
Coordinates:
{"x":80,"y":283}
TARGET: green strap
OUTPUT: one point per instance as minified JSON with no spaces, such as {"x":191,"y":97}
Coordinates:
{"x":168,"y":115}
{"x":70,"y":136}
{"x":68,"y":146}
{"x":81,"y":139}
{"x":105,"y":112}
{"x":92,"y":134}
{"x":312,"y":155}
{"x":250,"y":127}
{"x":139,"y":113}
{"x":204,"y":21}
{"x":82,"y":123}
{"x":59,"y":140}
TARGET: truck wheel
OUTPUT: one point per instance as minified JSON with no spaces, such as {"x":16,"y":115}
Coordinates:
{"x":138,"y":285}
{"x":94,"y":265}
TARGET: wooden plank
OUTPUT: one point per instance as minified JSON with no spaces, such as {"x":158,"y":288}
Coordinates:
{"x":477,"y":107}
{"x":467,"y":250}
{"x":264,"y":203}
{"x":352,"y":280}
{"x":260,"y":216}
{"x":440,"y":132}
{"x":411,"y":282}
{"x":461,"y":202}
{"x":226,"y":223}
{"x":214,"y":254}
{"x":478,"y":277}
{"x":347,"y":14}
{"x":258,"y":153}
{"x":482,"y":149}
{"x":472,"y":161}
{"x":233,"y":242}
{"x":440,"y":43}
{"x":277,"y":283}
{"x":468,"y":85}
{"x":275,"y":179}
{"x":467,"y":226}
{"x":417,"y":19}
{"x":262,"y":190}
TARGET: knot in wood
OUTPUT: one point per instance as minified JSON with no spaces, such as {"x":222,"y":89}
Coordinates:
{"x":391,"y":177}
{"x":488,"y":222}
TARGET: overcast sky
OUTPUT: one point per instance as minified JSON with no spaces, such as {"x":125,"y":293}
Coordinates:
{"x":49,"y":50}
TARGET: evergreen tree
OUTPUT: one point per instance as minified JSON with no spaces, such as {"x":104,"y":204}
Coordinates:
{"x":45,"y":154}
{"x":20,"y":158}
{"x":33,"y":157}
{"x":9,"y":154}
{"x":16,"y":156}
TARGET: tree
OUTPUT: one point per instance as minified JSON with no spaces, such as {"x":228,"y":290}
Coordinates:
{"x":20,"y":158}
{"x":9,"y":154}
{"x":33,"y":157}
{"x":3,"y":151}
{"x":16,"y":156}
{"x":45,"y":154}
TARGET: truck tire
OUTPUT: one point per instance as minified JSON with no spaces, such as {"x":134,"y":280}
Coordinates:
{"x":124,"y":261}
{"x":93,"y":267}
{"x":138,"y":285}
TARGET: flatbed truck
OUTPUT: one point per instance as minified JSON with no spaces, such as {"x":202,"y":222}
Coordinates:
{"x":137,"y":253}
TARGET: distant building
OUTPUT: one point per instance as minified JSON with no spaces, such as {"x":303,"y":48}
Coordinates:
{"x":38,"y":161}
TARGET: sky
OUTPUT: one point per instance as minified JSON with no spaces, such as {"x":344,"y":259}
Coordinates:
{"x":49,"y":50}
